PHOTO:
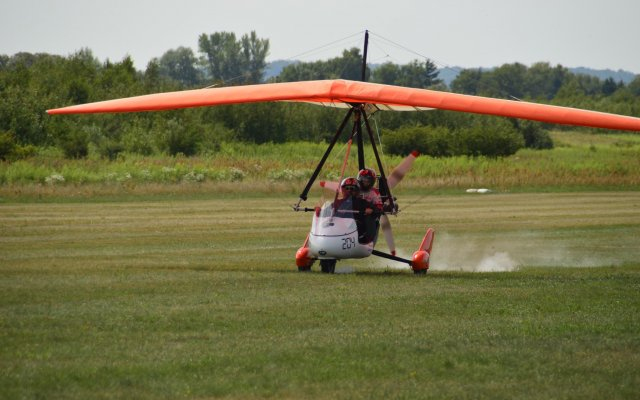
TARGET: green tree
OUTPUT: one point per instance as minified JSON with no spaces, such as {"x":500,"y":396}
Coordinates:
{"x":119,"y":79}
{"x":418,"y":74}
{"x":221,"y":55}
{"x":21,"y":114}
{"x":609,"y":86}
{"x":540,"y":81}
{"x":634,"y":86}
{"x":4,"y":60}
{"x":387,"y":73}
{"x":506,"y":81}
{"x":543,"y":81}
{"x":180,"y":65}
{"x":254,"y":52}
{"x":467,"y":81}
{"x":227,"y":59}
{"x":347,"y":66}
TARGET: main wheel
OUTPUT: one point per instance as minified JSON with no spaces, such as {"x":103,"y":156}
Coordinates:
{"x":420,"y":271}
{"x":328,"y":266}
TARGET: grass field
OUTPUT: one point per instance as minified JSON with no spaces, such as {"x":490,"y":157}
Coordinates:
{"x":169,"y":297}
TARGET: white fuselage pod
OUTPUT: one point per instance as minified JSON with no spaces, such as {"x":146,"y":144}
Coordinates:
{"x":334,"y":235}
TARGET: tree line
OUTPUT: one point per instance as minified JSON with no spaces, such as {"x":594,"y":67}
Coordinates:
{"x":32,"y":83}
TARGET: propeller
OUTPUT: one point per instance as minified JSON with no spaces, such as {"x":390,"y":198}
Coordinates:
{"x":385,"y":225}
{"x":330,"y":185}
{"x":399,"y":172}
{"x":394,"y":178}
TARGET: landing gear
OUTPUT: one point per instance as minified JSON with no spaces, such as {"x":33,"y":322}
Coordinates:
{"x":328,"y":266}
{"x":420,"y":271}
{"x":304,"y":269}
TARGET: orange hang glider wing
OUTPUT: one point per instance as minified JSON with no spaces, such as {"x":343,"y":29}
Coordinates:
{"x":343,"y":93}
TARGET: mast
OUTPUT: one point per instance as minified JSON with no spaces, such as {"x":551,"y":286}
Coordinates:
{"x":364,"y":56}
{"x":358,"y":115}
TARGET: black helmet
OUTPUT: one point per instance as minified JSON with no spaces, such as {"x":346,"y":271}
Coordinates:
{"x":366,"y":178}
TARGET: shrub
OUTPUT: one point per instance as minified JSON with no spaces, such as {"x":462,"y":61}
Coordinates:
{"x":534,"y":136}
{"x":176,"y":138}
{"x":10,"y":150}
{"x":110,"y":149}
{"x":436,"y":142}
{"x":7,"y":145}
{"x":495,"y":140}
{"x":23,"y":172}
{"x":138,"y":139}
{"x":211,"y":138}
{"x":75,"y":144}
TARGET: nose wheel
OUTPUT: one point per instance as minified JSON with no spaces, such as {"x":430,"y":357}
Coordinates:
{"x":328,"y":266}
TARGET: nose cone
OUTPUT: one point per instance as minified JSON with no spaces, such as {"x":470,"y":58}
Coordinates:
{"x":339,"y":247}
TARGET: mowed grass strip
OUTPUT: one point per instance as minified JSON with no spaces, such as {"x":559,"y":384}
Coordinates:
{"x":200,"y":299}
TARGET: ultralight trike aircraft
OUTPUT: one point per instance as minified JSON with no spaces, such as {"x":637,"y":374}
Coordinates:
{"x":342,"y":227}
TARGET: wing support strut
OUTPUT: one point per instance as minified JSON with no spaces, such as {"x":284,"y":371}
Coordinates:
{"x":385,"y":191}
{"x":305,"y":192}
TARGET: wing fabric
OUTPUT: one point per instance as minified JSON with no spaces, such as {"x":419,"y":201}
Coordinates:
{"x":341,"y":93}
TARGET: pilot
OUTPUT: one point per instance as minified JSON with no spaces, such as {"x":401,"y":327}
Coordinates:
{"x":370,"y":204}
{"x":366,"y":182}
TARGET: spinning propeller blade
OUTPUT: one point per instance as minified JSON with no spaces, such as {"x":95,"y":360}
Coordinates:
{"x":330,"y":185}
{"x":385,"y":224}
{"x":394,"y":178}
{"x":399,"y":172}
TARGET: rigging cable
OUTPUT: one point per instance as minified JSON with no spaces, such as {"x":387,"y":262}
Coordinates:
{"x":344,"y":166}
{"x":384,"y":159}
{"x":442,"y":65}
{"x":308,"y":52}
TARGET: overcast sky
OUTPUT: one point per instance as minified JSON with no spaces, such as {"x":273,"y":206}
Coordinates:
{"x":468,"y":33}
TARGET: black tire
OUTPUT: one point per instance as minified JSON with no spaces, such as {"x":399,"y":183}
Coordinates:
{"x":328,"y":266}
{"x":420,"y":271}
{"x":304,"y":269}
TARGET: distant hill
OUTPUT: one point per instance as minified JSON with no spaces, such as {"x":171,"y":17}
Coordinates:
{"x":603,"y":74}
{"x":275,"y":67}
{"x":450,"y":73}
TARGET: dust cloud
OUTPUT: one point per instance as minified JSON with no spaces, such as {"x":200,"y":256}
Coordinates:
{"x":494,"y":252}
{"x":504,"y":254}
{"x":454,"y":254}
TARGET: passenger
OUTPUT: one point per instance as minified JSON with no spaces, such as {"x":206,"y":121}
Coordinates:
{"x":371,"y":204}
{"x":366,"y":181}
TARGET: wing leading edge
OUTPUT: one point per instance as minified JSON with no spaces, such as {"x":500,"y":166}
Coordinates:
{"x":341,"y":93}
